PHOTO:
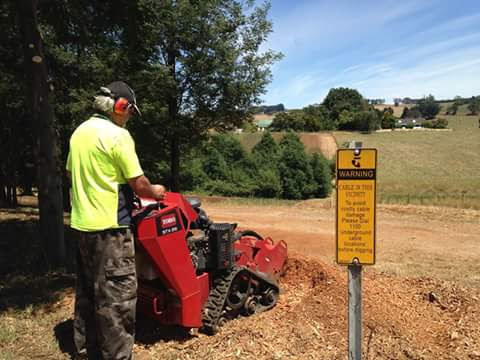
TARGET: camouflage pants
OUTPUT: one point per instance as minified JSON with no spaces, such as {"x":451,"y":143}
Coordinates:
{"x":106,"y":294}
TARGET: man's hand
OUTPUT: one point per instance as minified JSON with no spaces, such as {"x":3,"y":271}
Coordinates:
{"x":142,"y":187}
{"x":159,"y":191}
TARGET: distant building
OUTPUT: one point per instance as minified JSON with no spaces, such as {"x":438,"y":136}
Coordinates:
{"x":263,"y":124}
{"x":409,"y":123}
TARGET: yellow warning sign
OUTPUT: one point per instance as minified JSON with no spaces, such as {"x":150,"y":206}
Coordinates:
{"x":356,"y":189}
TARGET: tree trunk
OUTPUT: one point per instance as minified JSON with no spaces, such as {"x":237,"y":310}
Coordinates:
{"x":173,"y":117}
{"x":48,"y":161}
{"x":3,"y":195}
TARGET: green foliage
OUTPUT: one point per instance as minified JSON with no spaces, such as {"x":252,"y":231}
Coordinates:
{"x":287,"y":121}
{"x":322,"y":175}
{"x":310,"y":119}
{"x":193,"y":65}
{"x":317,"y":118}
{"x":340,"y":102}
{"x":474,"y":106}
{"x":295,"y":169}
{"x":221,"y":167}
{"x":268,"y":183}
{"x":428,"y":107}
{"x":248,"y":126}
{"x":387,"y":119}
{"x":411,"y":113}
{"x":17,"y":129}
{"x":366,"y":121}
{"x":266,"y":154}
{"x":215,"y":165}
{"x":440,"y":123}
{"x":193,"y":175}
{"x":266,"y":151}
{"x":211,"y":50}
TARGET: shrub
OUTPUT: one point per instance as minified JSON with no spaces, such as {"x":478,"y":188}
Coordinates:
{"x":214,"y":165}
{"x":266,"y":150}
{"x":268,"y":183}
{"x":295,"y":169}
{"x":366,"y":121}
{"x":428,"y":107}
{"x":441,"y":123}
{"x":192,"y":175}
{"x":321,"y":175}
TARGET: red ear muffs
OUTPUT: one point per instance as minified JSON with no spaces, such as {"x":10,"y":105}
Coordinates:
{"x":122,"y":106}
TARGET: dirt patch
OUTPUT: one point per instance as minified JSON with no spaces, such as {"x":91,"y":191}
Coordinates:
{"x":320,"y":142}
{"x":421,"y":300}
{"x":411,"y":240}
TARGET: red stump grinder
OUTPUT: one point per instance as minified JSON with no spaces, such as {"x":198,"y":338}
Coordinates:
{"x":196,"y":273}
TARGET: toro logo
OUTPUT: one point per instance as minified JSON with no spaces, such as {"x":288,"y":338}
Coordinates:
{"x":169,"y":220}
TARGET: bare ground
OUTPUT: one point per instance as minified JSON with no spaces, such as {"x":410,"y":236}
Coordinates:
{"x":420,"y":301}
{"x":322,"y":142}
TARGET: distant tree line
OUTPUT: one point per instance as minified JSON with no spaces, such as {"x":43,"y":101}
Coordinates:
{"x":268,"y":109}
{"x":426,"y":108}
{"x":405,"y":100}
{"x":375,"y":101}
{"x":342,"y":109}
{"x":474,"y":105}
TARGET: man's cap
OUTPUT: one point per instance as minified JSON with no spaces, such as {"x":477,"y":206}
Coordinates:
{"x":118,"y":89}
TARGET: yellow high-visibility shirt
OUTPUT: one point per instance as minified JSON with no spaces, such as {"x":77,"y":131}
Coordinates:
{"x":101,"y":158}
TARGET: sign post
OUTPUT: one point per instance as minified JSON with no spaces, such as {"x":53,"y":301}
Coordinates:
{"x":355,"y":230}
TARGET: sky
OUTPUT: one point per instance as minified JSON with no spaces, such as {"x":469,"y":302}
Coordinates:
{"x":383,"y":48}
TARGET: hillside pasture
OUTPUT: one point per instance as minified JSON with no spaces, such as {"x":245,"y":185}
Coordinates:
{"x":427,"y":167}
{"x":462,"y":109}
{"x":322,"y":142}
{"x":397,"y":110}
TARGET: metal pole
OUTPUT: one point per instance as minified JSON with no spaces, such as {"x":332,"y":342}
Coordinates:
{"x":355,"y":298}
{"x":354,"y":312}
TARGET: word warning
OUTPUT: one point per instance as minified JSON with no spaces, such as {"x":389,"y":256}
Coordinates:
{"x":356,"y":189}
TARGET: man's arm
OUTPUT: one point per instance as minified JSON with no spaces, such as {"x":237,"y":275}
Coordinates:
{"x":142,"y":187}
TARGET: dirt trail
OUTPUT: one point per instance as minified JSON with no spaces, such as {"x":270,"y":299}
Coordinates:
{"x":411,"y":240}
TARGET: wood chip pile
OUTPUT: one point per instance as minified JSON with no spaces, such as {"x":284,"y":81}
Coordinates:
{"x":404,"y":318}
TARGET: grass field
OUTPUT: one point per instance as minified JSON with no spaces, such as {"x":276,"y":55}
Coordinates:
{"x":420,"y":167}
{"x":427,"y":167}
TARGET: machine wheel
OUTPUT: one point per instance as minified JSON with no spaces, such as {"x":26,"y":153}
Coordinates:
{"x":269,"y":298}
{"x":222,"y":321}
{"x":250,"y":306}
{"x":239,"y":290}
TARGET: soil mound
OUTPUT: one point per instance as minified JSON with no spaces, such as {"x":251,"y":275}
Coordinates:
{"x":403,"y":318}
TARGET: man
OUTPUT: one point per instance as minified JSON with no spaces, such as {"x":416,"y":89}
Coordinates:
{"x":104,"y":169}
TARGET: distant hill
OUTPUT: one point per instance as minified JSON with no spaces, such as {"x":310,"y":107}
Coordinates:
{"x":397,"y":110}
{"x":260,"y":117}
{"x":268,"y":109}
